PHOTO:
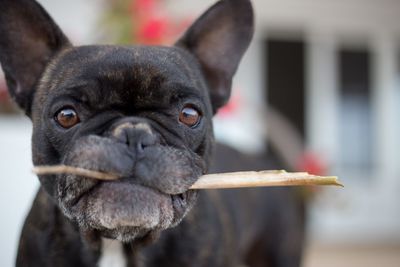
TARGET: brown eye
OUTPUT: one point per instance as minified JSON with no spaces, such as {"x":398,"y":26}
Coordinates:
{"x":189,"y":116}
{"x":67,"y":117}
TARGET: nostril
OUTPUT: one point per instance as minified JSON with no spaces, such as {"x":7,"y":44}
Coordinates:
{"x":126,"y":138}
{"x":140,"y":147}
{"x":145,"y":141}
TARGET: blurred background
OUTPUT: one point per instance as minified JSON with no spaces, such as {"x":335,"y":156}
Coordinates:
{"x":320,"y":82}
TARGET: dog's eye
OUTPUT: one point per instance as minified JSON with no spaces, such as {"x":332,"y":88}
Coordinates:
{"x":67,"y":117}
{"x":189,"y":116}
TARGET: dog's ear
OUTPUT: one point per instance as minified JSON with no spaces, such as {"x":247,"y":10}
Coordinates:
{"x":218,"y":39}
{"x":29,"y":38}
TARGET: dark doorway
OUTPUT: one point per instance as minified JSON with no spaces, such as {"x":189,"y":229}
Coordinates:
{"x":285,"y":65}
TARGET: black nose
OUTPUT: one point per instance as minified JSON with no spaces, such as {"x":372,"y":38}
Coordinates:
{"x":137,"y":136}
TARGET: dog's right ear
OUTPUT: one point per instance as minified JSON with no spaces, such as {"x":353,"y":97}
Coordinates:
{"x":29,"y":38}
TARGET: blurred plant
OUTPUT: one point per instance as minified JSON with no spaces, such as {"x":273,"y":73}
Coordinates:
{"x":141,"y":21}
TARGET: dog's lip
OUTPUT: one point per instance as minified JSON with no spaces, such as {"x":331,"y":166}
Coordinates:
{"x":179,"y":201}
{"x":82,"y":193}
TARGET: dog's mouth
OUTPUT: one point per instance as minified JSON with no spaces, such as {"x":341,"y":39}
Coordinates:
{"x":153,"y":194}
{"x":122,"y":209}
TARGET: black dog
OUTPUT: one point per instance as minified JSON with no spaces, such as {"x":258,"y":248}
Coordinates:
{"x":144,"y":113}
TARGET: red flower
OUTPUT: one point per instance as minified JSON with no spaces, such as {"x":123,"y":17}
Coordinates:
{"x":153,"y":31}
{"x":312,"y":164}
{"x":231,"y":107}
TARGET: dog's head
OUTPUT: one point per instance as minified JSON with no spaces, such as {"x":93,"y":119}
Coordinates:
{"x":138,"y":111}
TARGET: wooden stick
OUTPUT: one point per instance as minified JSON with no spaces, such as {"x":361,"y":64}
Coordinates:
{"x":214,"y":181}
{"x":261,"y":178}
{"x":58,"y":169}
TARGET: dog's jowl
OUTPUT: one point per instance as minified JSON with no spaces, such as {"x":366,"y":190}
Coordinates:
{"x":144,"y":112}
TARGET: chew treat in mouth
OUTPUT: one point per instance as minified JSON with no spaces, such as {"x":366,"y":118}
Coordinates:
{"x":214,"y":181}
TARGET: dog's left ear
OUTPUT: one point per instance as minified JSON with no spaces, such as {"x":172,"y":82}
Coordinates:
{"x":29,"y":38}
{"x":218,"y":39}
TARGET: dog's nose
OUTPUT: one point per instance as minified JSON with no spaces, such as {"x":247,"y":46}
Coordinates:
{"x":137,"y":136}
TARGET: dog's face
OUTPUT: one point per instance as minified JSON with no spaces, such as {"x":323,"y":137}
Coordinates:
{"x":140,"y":112}
{"x":143,"y":113}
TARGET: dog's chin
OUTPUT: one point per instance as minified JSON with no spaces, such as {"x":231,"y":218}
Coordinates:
{"x":126,"y":211}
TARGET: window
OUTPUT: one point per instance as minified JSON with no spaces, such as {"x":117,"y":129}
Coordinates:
{"x":355,"y":118}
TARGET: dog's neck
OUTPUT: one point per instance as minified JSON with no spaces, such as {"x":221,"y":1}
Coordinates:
{"x":112,"y":254}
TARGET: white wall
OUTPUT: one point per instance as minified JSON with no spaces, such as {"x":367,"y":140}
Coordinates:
{"x":77,"y":18}
{"x":18,"y":184}
{"x":342,"y":15}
